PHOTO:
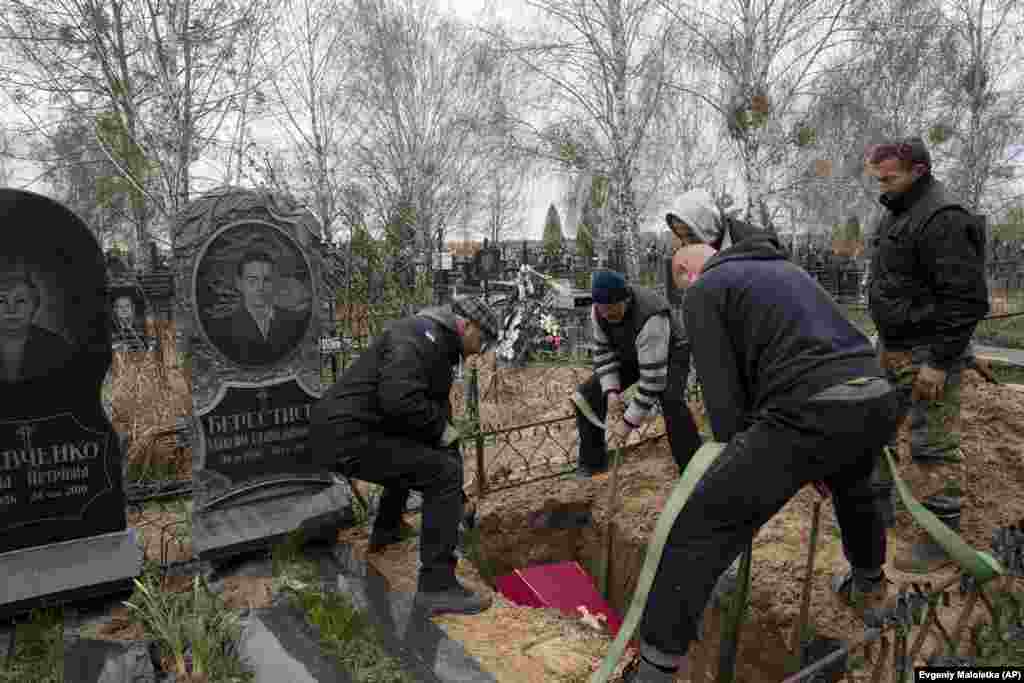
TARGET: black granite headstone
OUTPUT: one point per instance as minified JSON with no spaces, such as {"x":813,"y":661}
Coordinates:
{"x":63,"y":528}
{"x":249,"y":318}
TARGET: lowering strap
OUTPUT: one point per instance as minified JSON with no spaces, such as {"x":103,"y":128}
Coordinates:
{"x":699,"y":464}
{"x":980,"y":565}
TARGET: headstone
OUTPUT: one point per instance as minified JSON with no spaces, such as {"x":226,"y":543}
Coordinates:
{"x":63,"y":532}
{"x":128,"y":312}
{"x":249,"y":319}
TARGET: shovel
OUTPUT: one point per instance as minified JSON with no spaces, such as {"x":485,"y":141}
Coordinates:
{"x":613,"y":488}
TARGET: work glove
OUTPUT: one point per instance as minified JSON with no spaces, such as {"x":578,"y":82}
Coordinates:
{"x":450,"y":436}
{"x":616,"y":404}
{"x":929,"y":384}
{"x":894,"y":360}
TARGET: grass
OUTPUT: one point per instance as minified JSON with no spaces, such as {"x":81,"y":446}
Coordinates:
{"x":344,"y":632}
{"x":1001,"y":642}
{"x":39,"y":650}
{"x":193,"y":629}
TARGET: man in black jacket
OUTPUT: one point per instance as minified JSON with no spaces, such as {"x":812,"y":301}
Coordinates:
{"x":388,"y":420}
{"x":927,"y":293}
{"x":636,"y":340}
{"x":796,"y":393}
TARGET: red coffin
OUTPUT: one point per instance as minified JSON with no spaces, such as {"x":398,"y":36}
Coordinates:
{"x":564,"y":586}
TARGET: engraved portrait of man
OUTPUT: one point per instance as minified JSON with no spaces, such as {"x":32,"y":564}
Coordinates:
{"x":27,"y":350}
{"x":259,"y":331}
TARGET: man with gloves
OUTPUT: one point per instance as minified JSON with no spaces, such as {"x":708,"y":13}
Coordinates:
{"x":797,"y":395}
{"x":927,"y":293}
{"x":387,"y":420}
{"x":636,"y":340}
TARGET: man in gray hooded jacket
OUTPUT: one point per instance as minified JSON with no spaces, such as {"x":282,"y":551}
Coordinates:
{"x":387,"y":420}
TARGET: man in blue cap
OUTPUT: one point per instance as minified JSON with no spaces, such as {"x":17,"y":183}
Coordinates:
{"x":637,"y":341}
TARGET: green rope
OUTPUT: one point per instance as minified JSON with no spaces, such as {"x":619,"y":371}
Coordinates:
{"x":699,"y":464}
{"x":980,"y":565}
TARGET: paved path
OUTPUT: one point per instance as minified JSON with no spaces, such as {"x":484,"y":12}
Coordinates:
{"x":996,"y":353}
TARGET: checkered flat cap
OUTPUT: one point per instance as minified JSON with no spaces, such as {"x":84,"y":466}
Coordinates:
{"x":472,"y":308}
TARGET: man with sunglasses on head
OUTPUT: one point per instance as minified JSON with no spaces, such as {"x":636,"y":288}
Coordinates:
{"x":636,"y":340}
{"x":926,"y":294}
{"x":387,"y":420}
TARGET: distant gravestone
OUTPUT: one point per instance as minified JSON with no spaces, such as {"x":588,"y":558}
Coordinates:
{"x":63,"y":532}
{"x":249,"y":317}
{"x":128,"y":313}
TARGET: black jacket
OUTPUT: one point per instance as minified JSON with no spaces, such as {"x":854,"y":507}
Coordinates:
{"x":399,"y":386}
{"x":928,"y":284}
{"x":764,"y":332}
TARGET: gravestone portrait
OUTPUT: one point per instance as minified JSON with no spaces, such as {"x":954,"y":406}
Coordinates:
{"x":128,"y":308}
{"x":253,"y":293}
{"x":249,"y":317}
{"x":63,"y":526}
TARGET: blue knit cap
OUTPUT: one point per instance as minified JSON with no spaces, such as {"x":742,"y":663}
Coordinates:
{"x":608,"y":287}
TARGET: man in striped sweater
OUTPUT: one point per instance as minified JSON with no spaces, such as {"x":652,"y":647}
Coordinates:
{"x":637,"y":341}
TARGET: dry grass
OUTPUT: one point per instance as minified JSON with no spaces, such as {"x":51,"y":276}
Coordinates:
{"x":150,"y":392}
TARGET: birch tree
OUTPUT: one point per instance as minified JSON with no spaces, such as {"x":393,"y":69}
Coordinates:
{"x":759,"y":59}
{"x":984,"y":92}
{"x":156,"y":79}
{"x":434,"y":123}
{"x":315,"y":55}
{"x":604,"y":63}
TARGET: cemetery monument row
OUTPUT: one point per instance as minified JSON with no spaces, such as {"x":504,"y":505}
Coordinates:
{"x":249,"y":319}
{"x":63,"y":532}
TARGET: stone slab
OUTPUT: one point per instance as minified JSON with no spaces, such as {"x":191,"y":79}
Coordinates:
{"x":221,"y":533}
{"x":278,"y":645}
{"x":82,"y":568}
{"x":104,"y":661}
{"x":407,"y":633}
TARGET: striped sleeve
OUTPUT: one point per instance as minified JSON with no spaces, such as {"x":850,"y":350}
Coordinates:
{"x":652,"y":358}
{"x":606,"y":358}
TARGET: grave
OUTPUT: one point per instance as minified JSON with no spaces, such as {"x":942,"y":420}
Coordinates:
{"x":64,"y":535}
{"x":249,"y":319}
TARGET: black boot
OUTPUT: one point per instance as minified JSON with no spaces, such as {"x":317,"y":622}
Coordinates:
{"x":439,"y":592}
{"x":927,"y":556}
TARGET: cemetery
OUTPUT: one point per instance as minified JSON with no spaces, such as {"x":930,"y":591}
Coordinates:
{"x":212,"y":210}
{"x":226,"y":553}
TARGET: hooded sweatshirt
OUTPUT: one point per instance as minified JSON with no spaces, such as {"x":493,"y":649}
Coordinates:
{"x":764,"y":333}
{"x":697,"y":209}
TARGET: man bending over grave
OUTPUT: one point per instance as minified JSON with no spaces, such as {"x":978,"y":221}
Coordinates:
{"x":798,"y":396}
{"x":636,"y":340}
{"x":387,"y":420}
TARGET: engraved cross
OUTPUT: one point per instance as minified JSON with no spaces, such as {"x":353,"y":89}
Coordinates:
{"x":25,"y":432}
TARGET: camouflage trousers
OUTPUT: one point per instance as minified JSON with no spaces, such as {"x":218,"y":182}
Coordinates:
{"x":936,"y":460}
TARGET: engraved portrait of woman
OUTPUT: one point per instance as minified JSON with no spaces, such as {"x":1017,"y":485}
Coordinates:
{"x":27,"y":349}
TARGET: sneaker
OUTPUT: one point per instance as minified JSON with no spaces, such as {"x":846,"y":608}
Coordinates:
{"x":860,"y":593}
{"x":456,"y":599}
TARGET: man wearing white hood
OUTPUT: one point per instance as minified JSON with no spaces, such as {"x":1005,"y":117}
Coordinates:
{"x":798,"y":396}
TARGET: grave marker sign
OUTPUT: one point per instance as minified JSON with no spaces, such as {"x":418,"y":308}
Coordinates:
{"x":63,"y":531}
{"x":249,"y":316}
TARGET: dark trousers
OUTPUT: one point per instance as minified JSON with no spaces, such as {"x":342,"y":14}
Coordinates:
{"x":683,"y":437}
{"x":761,"y":468}
{"x":400,"y":465}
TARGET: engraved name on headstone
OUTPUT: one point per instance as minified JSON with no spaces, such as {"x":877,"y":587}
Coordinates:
{"x":249,"y":317}
{"x":63,"y":532}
